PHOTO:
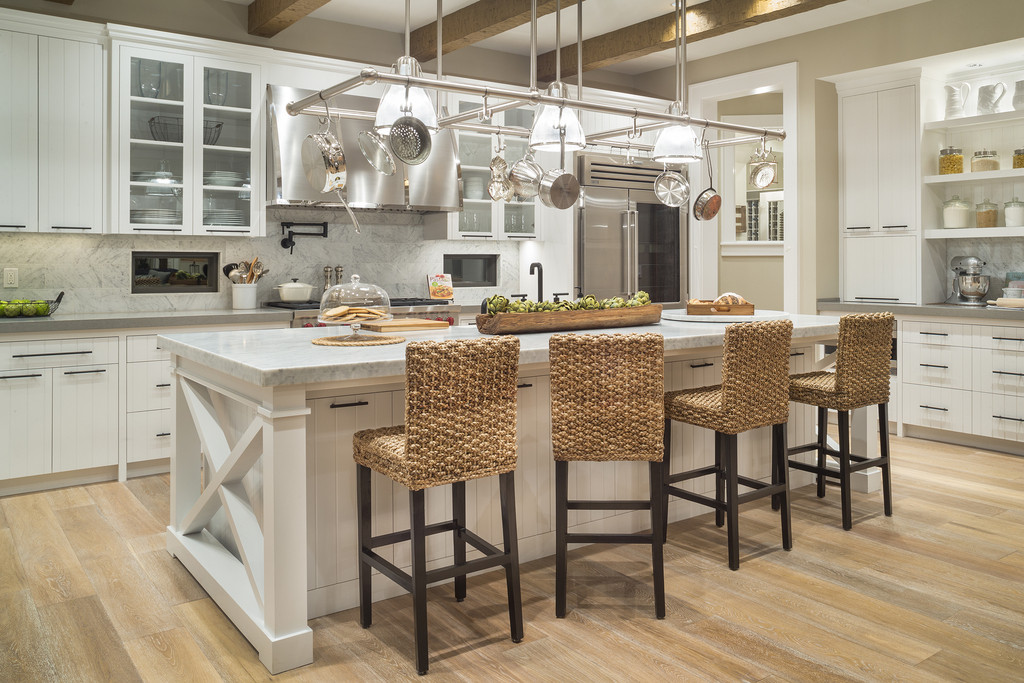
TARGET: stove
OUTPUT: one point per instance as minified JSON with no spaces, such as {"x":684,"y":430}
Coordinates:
{"x":306,"y":312}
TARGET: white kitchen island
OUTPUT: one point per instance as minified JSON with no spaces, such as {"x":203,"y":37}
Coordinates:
{"x":263,"y":483}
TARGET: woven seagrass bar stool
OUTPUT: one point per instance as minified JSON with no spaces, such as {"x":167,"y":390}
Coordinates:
{"x":754,"y":393}
{"x":861,"y":379}
{"x":460,"y":424}
{"x":607,"y":405}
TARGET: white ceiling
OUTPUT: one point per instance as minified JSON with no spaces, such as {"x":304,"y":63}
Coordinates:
{"x":599,"y":17}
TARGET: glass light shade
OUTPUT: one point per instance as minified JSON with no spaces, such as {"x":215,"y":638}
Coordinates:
{"x":399,"y":101}
{"x":677,"y":144}
{"x":546,"y":132}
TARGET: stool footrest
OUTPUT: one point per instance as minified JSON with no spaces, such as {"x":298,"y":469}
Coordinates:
{"x":389,"y":570}
{"x":861,"y":463}
{"x":762,"y":492}
{"x":804,"y":448}
{"x":479,"y":564}
{"x":400,"y":536}
{"x":695,"y":497}
{"x":609,"y":538}
{"x":479,"y":543}
{"x":608,"y":504}
{"x":690,"y":474}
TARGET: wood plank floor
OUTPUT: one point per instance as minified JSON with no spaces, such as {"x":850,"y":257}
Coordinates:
{"x":935,"y":593}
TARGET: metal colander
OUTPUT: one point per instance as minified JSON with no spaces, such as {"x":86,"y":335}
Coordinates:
{"x":409,"y":140}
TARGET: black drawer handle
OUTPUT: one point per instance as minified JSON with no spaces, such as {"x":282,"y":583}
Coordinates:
{"x":895,"y":227}
{"x":945,"y":410}
{"x":877,"y":298}
{"x":84,"y":372}
{"x":161,"y":386}
{"x":523,"y":386}
{"x":859,"y":227}
{"x":70,"y":227}
{"x":796,"y":353}
{"x":55,"y":353}
{"x":217,"y":230}
{"x":158,"y":229}
{"x":1008,"y":339}
{"x":164,"y":434}
{"x":1006,"y":372}
{"x":36,"y":374}
{"x":13,"y":226}
{"x":701,"y":365}
{"x":933,"y":365}
{"x":935,"y":334}
{"x":350,"y":405}
{"x":1003,"y":417}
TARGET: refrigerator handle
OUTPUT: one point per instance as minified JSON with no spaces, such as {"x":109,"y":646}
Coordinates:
{"x":635,"y":237}
{"x":626,"y":223}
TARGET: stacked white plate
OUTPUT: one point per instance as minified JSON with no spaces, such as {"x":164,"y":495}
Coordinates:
{"x":224,"y":178}
{"x":159,"y":216}
{"x":225,"y":217}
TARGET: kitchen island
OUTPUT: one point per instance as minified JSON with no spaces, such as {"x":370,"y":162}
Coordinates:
{"x":262,"y":479}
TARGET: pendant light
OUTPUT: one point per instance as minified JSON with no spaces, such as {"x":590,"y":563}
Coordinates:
{"x":678,"y":144}
{"x":556,"y":127}
{"x":403,"y":100}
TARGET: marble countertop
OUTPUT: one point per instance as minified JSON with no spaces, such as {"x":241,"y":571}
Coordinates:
{"x":60,"y":322}
{"x":287,"y":356}
{"x":940,"y":310}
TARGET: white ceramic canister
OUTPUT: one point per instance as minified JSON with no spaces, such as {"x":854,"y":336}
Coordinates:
{"x":956,"y":213}
{"x":1013,"y":213}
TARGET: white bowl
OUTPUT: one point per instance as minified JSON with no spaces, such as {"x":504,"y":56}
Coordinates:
{"x":1013,"y":292}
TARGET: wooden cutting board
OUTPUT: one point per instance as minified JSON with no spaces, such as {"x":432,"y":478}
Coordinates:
{"x":405,"y":324}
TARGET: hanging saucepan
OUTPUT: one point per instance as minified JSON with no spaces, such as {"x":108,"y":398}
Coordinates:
{"x":376,"y":152}
{"x":323,"y":161}
{"x":672,"y":188}
{"x":409,"y":140}
{"x":708,"y":202}
{"x":525,"y":176}
{"x":559,"y":189}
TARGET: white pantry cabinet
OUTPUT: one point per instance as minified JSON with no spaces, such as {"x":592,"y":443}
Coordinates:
{"x":880,"y":269}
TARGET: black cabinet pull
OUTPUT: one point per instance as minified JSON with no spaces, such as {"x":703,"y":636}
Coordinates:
{"x":164,"y":434}
{"x":35,"y":374}
{"x":84,"y":372}
{"x":1006,"y":372}
{"x":796,"y":353}
{"x":933,"y":365}
{"x":55,"y":353}
{"x":701,"y":365}
{"x":1003,"y":417}
{"x":859,"y":227}
{"x":523,"y":386}
{"x":935,"y":334}
{"x":945,"y":410}
{"x":877,"y":298}
{"x":1008,"y":339}
{"x":895,"y":227}
{"x":161,"y":386}
{"x":225,"y":230}
{"x":157,"y":229}
{"x":350,"y":405}
{"x":14,"y":226}
{"x":70,"y":227}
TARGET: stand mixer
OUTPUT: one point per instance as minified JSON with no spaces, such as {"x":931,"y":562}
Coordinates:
{"x":969,"y":285}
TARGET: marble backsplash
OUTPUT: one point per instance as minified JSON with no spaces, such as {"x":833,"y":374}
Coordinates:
{"x":94,"y":271}
{"x":1001,"y":256}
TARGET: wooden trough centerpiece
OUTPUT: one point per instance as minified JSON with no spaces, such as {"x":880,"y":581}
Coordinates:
{"x":562,"y":321}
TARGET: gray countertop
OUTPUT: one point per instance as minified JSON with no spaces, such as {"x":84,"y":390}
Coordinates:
{"x":941,"y":310}
{"x":281,"y":357}
{"x":60,"y":322}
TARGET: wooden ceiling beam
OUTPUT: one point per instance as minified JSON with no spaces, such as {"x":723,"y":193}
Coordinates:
{"x":474,"y":23}
{"x":706,"y":20}
{"x":267,"y":18}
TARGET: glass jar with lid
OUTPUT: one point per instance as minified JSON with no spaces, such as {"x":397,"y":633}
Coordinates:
{"x":951,"y":160}
{"x":987,"y":214}
{"x":1013,"y":213}
{"x":984,"y":160}
{"x":354,"y":303}
{"x":956,"y":213}
{"x":1018,"y":158}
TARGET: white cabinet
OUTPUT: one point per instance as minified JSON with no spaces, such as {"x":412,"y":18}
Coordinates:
{"x":84,"y":417}
{"x":879,"y":158}
{"x":189,"y":148}
{"x":52,"y":133}
{"x":26,"y":438}
{"x":880,"y":269}
{"x":938,"y":408}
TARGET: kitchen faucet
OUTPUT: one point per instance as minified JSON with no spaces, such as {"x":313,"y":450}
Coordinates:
{"x":539,"y":269}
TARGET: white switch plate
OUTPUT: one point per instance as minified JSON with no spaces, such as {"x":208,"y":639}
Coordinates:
{"x":10,"y":277}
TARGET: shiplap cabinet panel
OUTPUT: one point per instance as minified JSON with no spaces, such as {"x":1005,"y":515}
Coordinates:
{"x":937,"y":407}
{"x":937,"y":365}
{"x":19,"y":121}
{"x":149,"y":435}
{"x":149,"y":386}
{"x":999,"y":372}
{"x":26,"y":439}
{"x":999,"y":416}
{"x":859,"y":147}
{"x":85,"y":408}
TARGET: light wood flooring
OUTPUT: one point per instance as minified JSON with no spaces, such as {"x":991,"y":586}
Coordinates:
{"x":87,"y":593}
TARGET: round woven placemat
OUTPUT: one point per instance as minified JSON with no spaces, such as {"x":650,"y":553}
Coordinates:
{"x":361,"y":340}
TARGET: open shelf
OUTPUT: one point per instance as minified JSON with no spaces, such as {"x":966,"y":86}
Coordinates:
{"x":972,"y":121}
{"x":971,"y":233}
{"x":978,"y":177}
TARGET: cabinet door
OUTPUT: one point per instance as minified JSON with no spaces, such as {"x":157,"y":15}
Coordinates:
{"x":148,"y":435}
{"x":880,"y":269}
{"x":84,"y":417}
{"x":149,"y":386}
{"x":71,"y":140}
{"x":25,"y":436}
{"x":897,"y":159}
{"x":19,"y":118}
{"x":859,"y":147}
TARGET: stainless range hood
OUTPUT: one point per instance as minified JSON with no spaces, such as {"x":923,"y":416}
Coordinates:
{"x":434,"y":185}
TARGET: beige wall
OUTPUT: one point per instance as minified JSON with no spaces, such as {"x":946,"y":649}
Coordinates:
{"x":757,"y":278}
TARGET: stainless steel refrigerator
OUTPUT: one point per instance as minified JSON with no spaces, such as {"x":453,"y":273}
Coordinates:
{"x":625,"y":239}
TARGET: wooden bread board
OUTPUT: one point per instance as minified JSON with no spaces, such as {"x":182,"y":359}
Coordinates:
{"x":711,"y":308}
{"x":561,"y":321}
{"x":405,"y":325}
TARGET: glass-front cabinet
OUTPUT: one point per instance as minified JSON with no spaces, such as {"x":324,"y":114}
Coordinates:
{"x":188,"y":146}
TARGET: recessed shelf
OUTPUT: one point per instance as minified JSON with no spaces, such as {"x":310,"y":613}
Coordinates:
{"x":156,"y":100}
{"x":156,"y":143}
{"x":971,"y":233}
{"x":224,"y":148}
{"x":977,"y":177}
{"x":972,"y":121}
{"x":226,"y":109}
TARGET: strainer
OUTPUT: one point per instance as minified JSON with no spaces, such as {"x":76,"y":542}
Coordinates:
{"x":409,"y":140}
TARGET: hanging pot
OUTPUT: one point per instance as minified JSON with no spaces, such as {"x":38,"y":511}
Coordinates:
{"x":672,"y":188}
{"x":559,"y":189}
{"x":409,"y":140}
{"x":323,"y":161}
{"x":525,"y":176}
{"x":708,"y":202}
{"x":376,"y":152}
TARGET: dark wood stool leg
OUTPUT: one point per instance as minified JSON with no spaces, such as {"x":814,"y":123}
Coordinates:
{"x":666,"y":469}
{"x":779,"y":456}
{"x":364,"y":504}
{"x":510,"y":536}
{"x":883,"y":435}
{"x":777,"y":467}
{"x":844,"y":468}
{"x":561,"y":529}
{"x":417,"y":515}
{"x":459,"y":516}
{"x":822,"y":445}
{"x":657,"y":539}
{"x":729,"y":459}
{"x":720,"y":474}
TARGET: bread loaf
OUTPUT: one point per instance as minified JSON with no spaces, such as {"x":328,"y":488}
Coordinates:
{"x":730,"y":298}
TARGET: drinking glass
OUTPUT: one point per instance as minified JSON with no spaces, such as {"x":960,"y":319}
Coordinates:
{"x":216,"y":82}
{"x":149,"y":77}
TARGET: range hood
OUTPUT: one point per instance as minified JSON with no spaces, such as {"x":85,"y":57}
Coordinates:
{"x":434,"y":185}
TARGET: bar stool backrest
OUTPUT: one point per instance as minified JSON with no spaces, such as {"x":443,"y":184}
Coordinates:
{"x":460,"y":408}
{"x":755,"y":373}
{"x":863,"y":358}
{"x":607,"y":396}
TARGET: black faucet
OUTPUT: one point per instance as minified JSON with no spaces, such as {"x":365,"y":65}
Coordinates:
{"x":539,"y":269}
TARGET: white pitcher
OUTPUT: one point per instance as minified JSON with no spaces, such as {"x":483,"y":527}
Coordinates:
{"x":989,"y":96}
{"x":956,"y":96}
{"x":1018,"y":95}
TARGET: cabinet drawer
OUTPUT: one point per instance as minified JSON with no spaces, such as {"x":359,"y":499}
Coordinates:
{"x":999,"y":416}
{"x":936,"y":365}
{"x":937,"y":408}
{"x":143,"y":347}
{"x":57,"y":353}
{"x":149,"y":386}
{"x":149,"y":435}
{"x":693,"y":373}
{"x":995,"y":337}
{"x":936,"y":333}
{"x":999,"y":372}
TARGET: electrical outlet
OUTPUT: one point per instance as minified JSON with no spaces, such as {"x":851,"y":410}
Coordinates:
{"x":10,"y":277}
